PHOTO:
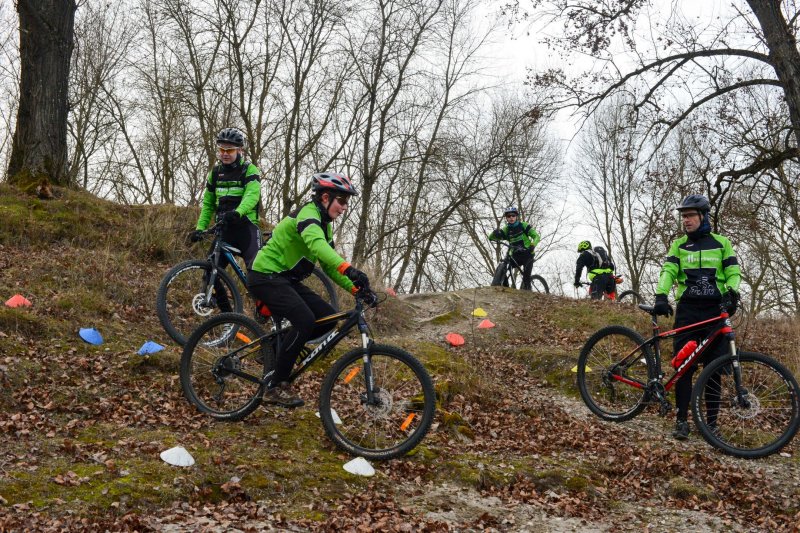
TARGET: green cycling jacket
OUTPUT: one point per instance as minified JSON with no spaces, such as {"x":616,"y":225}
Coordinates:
{"x":298,"y":242}
{"x":517,"y":233}
{"x":703,"y":269}
{"x":231,"y":187}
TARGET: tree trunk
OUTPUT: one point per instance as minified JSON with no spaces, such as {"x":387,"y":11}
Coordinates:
{"x":39,"y":147}
{"x":783,"y":54}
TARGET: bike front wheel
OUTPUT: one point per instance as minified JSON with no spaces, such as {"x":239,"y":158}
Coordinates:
{"x":500,"y":278}
{"x":395,"y":420}
{"x":613,"y":373}
{"x":181,"y":299}
{"x":224,"y":365}
{"x":756,"y":420}
{"x":630,"y":297}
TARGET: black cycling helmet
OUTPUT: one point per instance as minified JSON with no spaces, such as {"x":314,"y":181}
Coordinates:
{"x":584,"y":245}
{"x":511,"y":210}
{"x":232,"y":136}
{"x":695,"y":201}
{"x":334,"y":182}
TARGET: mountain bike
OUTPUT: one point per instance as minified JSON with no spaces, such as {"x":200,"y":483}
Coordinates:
{"x":193,"y":290}
{"x":376,"y":401}
{"x":744,"y":403}
{"x":506,"y":273}
{"x":629,"y":296}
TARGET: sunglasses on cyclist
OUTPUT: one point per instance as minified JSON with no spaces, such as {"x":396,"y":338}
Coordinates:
{"x":511,"y":215}
{"x":343,"y":200}
{"x":226,"y":151}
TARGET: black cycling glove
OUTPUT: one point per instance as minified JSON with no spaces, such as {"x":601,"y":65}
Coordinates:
{"x":358,"y":278}
{"x":662,"y":306}
{"x":232,"y":217}
{"x":195,"y":236}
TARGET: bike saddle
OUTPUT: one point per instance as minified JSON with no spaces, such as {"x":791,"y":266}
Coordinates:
{"x":647,"y":308}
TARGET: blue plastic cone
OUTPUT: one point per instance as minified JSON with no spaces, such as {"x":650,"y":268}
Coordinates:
{"x":91,"y":335}
{"x":150,"y":347}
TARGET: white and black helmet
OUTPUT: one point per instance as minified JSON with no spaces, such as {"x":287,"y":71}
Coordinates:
{"x":232,"y":136}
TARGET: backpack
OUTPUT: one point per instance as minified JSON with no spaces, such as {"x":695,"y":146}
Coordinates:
{"x":601,"y":258}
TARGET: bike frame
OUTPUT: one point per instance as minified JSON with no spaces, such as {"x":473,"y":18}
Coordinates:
{"x":218,"y":249}
{"x":724,"y":329}
{"x":353,"y":318}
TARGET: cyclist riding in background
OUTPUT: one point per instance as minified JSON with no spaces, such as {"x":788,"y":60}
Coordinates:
{"x":298,"y":241}
{"x":232,"y":195}
{"x":522,"y":238}
{"x":704,"y":266}
{"x":599,"y":270}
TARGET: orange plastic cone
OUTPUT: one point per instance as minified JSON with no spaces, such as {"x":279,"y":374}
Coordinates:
{"x":486,"y":324}
{"x":18,"y":300}
{"x":454,"y":339}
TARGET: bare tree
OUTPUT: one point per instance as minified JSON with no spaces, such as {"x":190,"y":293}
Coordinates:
{"x":39,"y":149}
{"x":755,"y":45}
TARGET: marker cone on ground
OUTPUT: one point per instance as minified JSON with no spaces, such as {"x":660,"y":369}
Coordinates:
{"x":150,"y":347}
{"x":479,"y":312}
{"x":454,"y":339}
{"x":486,"y":324}
{"x":91,"y":335}
{"x":18,"y":300}
{"x":177,"y":456}
{"x":359,"y":466}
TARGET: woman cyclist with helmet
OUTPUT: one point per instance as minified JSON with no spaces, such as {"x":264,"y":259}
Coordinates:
{"x":522,"y":238}
{"x":301,"y":239}
{"x":232,"y":195}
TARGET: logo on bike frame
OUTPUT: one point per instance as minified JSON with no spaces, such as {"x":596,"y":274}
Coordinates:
{"x":689,"y":359}
{"x":319,"y":348}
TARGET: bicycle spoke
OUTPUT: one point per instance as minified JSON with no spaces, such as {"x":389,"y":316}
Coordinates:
{"x":221,"y":367}
{"x":612,"y":390}
{"x":755,"y":422}
{"x":397,"y":418}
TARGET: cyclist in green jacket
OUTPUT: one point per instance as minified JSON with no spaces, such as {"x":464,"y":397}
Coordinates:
{"x":298,"y":242}
{"x":522,"y":238}
{"x":705,"y":268}
{"x":232,"y":196}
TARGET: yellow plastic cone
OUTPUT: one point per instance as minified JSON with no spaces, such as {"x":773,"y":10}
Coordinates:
{"x":479,"y":312}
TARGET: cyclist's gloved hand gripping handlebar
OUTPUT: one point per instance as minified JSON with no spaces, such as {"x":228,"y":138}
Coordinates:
{"x":358,"y":278}
{"x":195,"y":235}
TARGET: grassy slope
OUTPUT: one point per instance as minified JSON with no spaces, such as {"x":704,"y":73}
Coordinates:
{"x":83,"y":425}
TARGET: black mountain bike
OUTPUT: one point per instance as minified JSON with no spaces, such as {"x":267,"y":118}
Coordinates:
{"x":744,"y":403}
{"x":189,"y":292}
{"x":508,"y":271}
{"x":376,"y":401}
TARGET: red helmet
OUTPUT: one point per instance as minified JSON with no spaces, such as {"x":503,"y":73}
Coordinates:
{"x":334,"y":182}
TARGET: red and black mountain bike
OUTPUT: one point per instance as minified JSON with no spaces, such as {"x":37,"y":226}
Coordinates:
{"x":744,"y":403}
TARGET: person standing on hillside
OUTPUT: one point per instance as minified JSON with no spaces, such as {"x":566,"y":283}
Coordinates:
{"x":705,"y":268}
{"x":522,"y":238}
{"x":301,"y":239}
{"x":233,"y":197}
{"x":599,"y":269}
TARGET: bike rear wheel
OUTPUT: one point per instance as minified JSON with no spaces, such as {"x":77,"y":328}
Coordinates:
{"x":538,"y":284}
{"x":613,"y":373}
{"x":222,"y":368}
{"x":630,"y":297}
{"x":320,"y":283}
{"x":401,"y":414}
{"x":180,"y":301}
{"x":756,"y":423}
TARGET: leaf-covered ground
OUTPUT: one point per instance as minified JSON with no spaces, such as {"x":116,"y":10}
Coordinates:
{"x":512,"y":448}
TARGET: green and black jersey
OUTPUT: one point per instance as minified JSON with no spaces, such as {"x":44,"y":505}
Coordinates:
{"x":704,"y":269}
{"x":298,"y":242}
{"x":228,"y":187}
{"x":519,"y":233}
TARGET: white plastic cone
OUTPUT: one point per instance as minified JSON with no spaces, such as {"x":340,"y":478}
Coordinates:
{"x":177,"y":456}
{"x":360,"y":467}
{"x":334,"y":415}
